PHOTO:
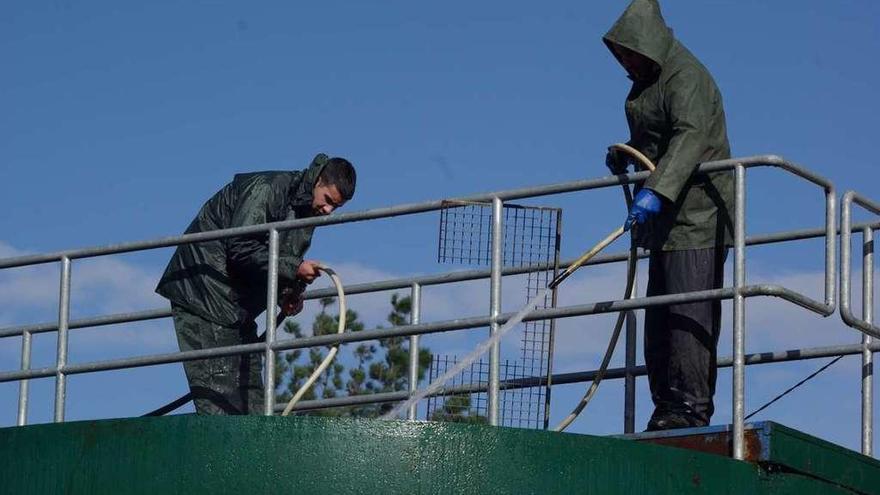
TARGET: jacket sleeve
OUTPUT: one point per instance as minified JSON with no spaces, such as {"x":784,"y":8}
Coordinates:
{"x":248,"y":256}
{"x":689,"y":105}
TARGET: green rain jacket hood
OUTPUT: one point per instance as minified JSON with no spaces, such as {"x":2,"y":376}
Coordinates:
{"x":677,"y":120}
{"x":641,"y":28}
{"x":225,"y":280}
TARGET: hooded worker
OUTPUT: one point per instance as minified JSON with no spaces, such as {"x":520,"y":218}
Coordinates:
{"x":676,"y":119}
{"x":218,"y":288}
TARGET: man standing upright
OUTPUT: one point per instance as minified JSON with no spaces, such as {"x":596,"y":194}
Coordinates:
{"x":676,"y":119}
{"x":218,"y":288}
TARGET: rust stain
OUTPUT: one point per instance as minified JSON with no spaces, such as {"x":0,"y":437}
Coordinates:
{"x":714,"y":443}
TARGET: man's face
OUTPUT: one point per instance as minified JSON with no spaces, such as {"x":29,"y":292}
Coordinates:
{"x":637,"y":65}
{"x":326,"y":198}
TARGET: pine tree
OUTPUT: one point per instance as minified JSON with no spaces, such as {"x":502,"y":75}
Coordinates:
{"x":457,"y":409}
{"x":382,"y":367}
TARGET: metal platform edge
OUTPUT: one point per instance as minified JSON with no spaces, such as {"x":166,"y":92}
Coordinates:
{"x":778,"y":447}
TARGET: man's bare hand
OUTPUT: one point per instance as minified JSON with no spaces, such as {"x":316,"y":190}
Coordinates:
{"x":308,"y":271}
{"x":292,"y":303}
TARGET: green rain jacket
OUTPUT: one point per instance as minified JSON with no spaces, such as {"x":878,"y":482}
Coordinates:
{"x":225,"y":280}
{"x":676,"y":120}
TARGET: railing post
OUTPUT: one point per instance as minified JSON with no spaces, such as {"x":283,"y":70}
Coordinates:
{"x":867,"y":355}
{"x":271,"y":310}
{"x":554,"y":299}
{"x":830,"y":249}
{"x":495,"y":309}
{"x":739,"y":315}
{"x":629,"y":382}
{"x":61,"y":353}
{"x":23,"y":389}
{"x":415,"y":316}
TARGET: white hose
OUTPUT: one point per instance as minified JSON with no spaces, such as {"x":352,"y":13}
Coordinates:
{"x":629,"y":293}
{"x":482,"y":348}
{"x":333,"y":350}
{"x":438,"y":384}
{"x":612,"y":344}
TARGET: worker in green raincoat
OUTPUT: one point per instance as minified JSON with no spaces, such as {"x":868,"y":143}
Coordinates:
{"x":676,"y":119}
{"x":218,"y":288}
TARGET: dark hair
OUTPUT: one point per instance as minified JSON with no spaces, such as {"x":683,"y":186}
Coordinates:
{"x":340,"y":172}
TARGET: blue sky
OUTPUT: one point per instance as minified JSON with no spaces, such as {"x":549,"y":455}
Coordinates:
{"x":120,"y":119}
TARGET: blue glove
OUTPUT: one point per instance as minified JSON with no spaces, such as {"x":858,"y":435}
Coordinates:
{"x":645,"y":206}
{"x":616,"y":162}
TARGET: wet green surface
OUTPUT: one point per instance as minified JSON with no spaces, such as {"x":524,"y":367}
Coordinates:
{"x":190,"y":454}
{"x":810,"y":455}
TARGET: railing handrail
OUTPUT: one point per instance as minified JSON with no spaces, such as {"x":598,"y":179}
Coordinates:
{"x":846,"y":313}
{"x":570,"y":186}
{"x":405,"y":209}
{"x":600,"y":307}
{"x":405,"y":282}
{"x":865,"y":324}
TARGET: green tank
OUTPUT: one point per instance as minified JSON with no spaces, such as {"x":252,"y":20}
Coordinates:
{"x":255,"y":454}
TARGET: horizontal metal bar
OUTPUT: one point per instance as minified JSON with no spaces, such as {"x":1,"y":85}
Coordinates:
{"x":97,"y":321}
{"x":723,"y":362}
{"x":375,"y":334}
{"x":420,"y":329}
{"x":423,"y":280}
{"x":579,"y":377}
{"x":466,"y":275}
{"x":385,"y":212}
{"x":406,"y":209}
{"x":802,"y":234}
{"x":768,"y":160}
{"x":790,"y":296}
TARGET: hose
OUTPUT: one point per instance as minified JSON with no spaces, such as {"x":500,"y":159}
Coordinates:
{"x":333,"y":349}
{"x":438,"y":383}
{"x":628,"y":292}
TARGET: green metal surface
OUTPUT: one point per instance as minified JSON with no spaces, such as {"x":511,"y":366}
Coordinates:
{"x":807,"y":454}
{"x":192,"y":454}
{"x":778,"y":448}
{"x":799,"y":484}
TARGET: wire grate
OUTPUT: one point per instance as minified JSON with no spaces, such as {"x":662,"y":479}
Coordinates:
{"x":531,"y":238}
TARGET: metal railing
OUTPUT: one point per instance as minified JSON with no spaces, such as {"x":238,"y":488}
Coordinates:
{"x":866,"y":323}
{"x":738,"y":292}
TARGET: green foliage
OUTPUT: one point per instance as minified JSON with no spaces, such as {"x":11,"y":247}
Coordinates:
{"x":373,"y":367}
{"x":457,"y":409}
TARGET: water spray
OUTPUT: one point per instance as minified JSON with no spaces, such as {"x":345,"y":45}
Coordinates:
{"x":440,"y":382}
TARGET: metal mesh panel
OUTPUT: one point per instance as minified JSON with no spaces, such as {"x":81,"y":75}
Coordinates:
{"x":465,"y":233}
{"x":518,"y":407}
{"x":531,"y":238}
{"x":464,"y":407}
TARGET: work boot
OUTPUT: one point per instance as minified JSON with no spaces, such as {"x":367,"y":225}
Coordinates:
{"x":673,"y":420}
